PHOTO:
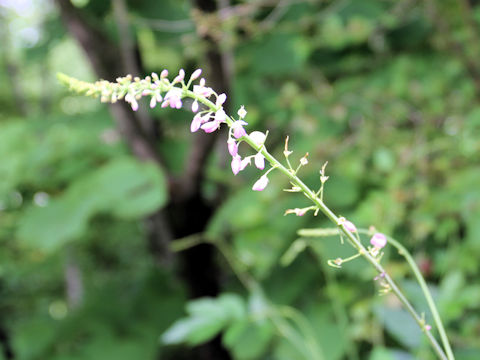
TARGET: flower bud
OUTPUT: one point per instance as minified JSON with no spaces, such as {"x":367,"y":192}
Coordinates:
{"x":196,"y":74}
{"x":232,"y":147}
{"x":260,"y":184}
{"x":242,"y":112}
{"x":260,"y":161}
{"x":378,"y":240}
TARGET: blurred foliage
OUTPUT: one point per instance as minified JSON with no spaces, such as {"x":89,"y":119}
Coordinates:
{"x":386,"y":91}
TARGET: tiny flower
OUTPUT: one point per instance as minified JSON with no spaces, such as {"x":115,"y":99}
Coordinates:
{"x":258,"y":137}
{"x":378,"y":240}
{"x":379,"y":276}
{"x":236,"y":164}
{"x":297,"y":211}
{"x":129,"y":98}
{"x":428,"y":327}
{"x":350,"y":226}
{"x":180,"y":76}
{"x":232,"y":147}
{"x":303,"y":160}
{"x":173,"y":98}
{"x":164,"y":74}
{"x":244,"y":163}
{"x":220,"y":116}
{"x":221,"y":99}
{"x":242,"y":112}
{"x":238,"y":130}
{"x":195,"y":106}
{"x":153,"y":102}
{"x":196,"y":74}
{"x":210,"y":126}
{"x":260,"y":184}
{"x":196,"y":123}
{"x":134,"y":105}
{"x":202,"y":90}
{"x":260,"y":161}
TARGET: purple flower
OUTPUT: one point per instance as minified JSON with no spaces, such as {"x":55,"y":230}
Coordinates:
{"x":378,"y":240}
{"x":232,"y":147}
{"x":260,"y":161}
{"x":238,"y":130}
{"x":236,"y":164}
{"x":260,"y":184}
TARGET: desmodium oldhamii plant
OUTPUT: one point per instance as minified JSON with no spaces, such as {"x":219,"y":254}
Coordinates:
{"x":209,"y":115}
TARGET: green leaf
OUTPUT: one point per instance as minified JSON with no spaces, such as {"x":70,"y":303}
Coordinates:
{"x":207,"y":317}
{"x":401,"y":326}
{"x":124,"y":187}
{"x":247,"y":339}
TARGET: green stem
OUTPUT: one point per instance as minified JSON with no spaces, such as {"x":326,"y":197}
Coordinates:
{"x":329,"y":214}
{"x":426,"y":292}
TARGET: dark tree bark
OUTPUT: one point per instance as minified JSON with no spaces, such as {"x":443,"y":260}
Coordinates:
{"x":188,"y":211}
{"x":104,"y":57}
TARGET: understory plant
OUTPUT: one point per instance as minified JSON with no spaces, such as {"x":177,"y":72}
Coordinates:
{"x":209,"y":116}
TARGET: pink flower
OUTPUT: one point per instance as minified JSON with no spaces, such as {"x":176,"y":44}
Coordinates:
{"x":180,"y":76}
{"x":260,"y":161}
{"x":134,"y":104}
{"x":195,"y":106}
{"x":220,"y":116}
{"x":173,"y":98}
{"x":210,"y":126}
{"x":378,"y":240}
{"x":196,"y":74}
{"x":153,"y":102}
{"x":232,"y":147}
{"x":258,"y":137}
{"x":202,"y":90}
{"x":244,"y":163}
{"x":164,"y":74}
{"x":196,"y":123}
{"x":129,"y":98}
{"x":221,"y":99}
{"x":260,"y":184}
{"x":238,"y":130}
{"x":350,"y":226}
{"x":236,"y":164}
